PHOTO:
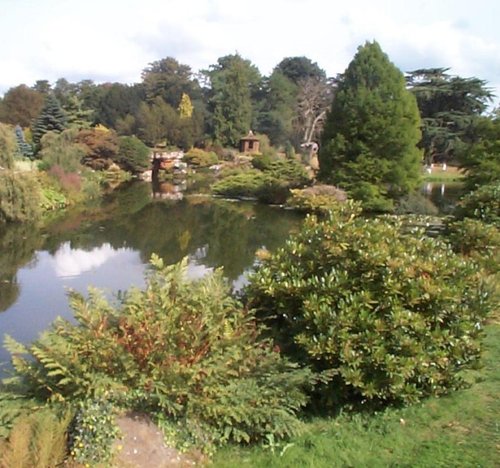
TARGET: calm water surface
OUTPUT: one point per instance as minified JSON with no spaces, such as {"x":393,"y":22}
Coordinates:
{"x":109,"y":246}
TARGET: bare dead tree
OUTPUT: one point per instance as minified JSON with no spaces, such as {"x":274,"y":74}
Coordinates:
{"x":314,"y":99}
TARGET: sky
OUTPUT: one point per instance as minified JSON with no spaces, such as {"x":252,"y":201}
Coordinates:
{"x":114,"y":40}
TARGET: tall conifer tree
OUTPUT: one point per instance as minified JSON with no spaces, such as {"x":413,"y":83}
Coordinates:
{"x":51,"y":119}
{"x":369,"y":143}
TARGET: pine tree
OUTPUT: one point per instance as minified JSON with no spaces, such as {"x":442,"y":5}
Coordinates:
{"x":23,"y":147}
{"x":369,"y":144}
{"x":51,"y":119}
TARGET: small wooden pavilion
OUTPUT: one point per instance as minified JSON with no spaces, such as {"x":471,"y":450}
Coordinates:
{"x":249,"y":144}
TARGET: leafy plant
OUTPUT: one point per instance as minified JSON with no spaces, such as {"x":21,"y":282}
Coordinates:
{"x":37,"y":438}
{"x":386,"y":314}
{"x":482,"y":204}
{"x":320,"y":199}
{"x":261,"y":161}
{"x":200,"y":158}
{"x":183,"y":351}
{"x":19,"y":197}
{"x":133,"y":154}
{"x":242,"y":184}
{"x":476,"y":240}
{"x":93,"y":432}
{"x":269,"y":186}
{"x":7,"y":147}
{"x":52,"y":199}
{"x":60,"y":149}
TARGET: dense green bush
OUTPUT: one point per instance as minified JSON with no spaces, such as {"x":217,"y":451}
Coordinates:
{"x":388,"y":316}
{"x":272,"y":185}
{"x":184,"y":352}
{"x":373,"y":197}
{"x":261,"y":161}
{"x":253,"y":184}
{"x":476,"y":240}
{"x":19,"y":197}
{"x":241,"y":184}
{"x":482,"y":204}
{"x":320,"y":199}
{"x":60,"y":149}
{"x":200,"y":158}
{"x":482,"y":160}
{"x":133,"y":154}
{"x":290,"y":171}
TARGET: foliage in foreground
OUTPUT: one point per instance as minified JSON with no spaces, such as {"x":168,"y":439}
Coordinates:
{"x":184,"y":352}
{"x":93,"y":431}
{"x":388,"y":315}
{"x":37,"y":439}
{"x":458,"y":430}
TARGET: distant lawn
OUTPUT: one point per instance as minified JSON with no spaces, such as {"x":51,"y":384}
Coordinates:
{"x":451,"y":174}
{"x":461,"y":430}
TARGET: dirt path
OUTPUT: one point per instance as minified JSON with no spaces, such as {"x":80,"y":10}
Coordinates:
{"x":142,"y":446}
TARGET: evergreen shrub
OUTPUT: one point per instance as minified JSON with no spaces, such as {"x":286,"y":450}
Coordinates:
{"x":483,"y":204}
{"x":272,"y":185}
{"x":386,"y":314}
{"x":133,"y":154}
{"x":476,"y":240}
{"x":201,"y":158}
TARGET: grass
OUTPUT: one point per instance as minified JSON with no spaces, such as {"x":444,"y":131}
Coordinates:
{"x":452,"y":174}
{"x":462,"y":429}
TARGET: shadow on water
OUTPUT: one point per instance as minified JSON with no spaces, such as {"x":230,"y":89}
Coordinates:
{"x":443,"y":195}
{"x":17,"y":249}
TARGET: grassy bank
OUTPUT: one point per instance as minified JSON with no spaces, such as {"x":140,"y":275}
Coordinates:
{"x":452,"y":174}
{"x":459,"y":430}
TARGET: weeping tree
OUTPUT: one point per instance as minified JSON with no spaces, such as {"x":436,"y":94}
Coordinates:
{"x":369,"y":143}
{"x":19,"y":194}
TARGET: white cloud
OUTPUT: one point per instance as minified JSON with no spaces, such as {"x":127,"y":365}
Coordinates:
{"x":74,"y":262}
{"x":114,"y":41}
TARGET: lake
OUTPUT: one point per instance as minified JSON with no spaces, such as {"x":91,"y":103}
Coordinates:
{"x":109,"y":245}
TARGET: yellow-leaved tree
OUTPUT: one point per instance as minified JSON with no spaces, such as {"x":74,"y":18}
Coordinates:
{"x":185,"y":107}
